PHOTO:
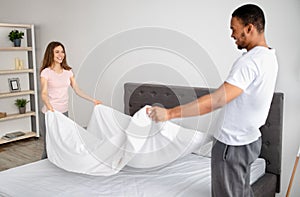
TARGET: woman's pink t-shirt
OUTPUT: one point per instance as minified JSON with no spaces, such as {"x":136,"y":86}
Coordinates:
{"x":58,"y":84}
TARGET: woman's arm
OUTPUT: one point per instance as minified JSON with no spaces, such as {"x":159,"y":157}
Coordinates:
{"x":80,"y":93}
{"x":44,"y":94}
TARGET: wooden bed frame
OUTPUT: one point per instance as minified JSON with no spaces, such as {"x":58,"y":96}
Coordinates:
{"x":137,"y":95}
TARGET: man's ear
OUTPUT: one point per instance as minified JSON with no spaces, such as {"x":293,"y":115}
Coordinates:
{"x":249,"y":28}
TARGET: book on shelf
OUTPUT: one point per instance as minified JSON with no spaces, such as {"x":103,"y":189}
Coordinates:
{"x":12,"y":135}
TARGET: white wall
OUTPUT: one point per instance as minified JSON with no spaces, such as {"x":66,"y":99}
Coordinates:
{"x":88,"y":28}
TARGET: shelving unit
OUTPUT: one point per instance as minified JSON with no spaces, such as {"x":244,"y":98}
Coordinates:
{"x":15,"y":116}
{"x":28,"y":134}
{"x":14,"y":121}
{"x":13,"y":94}
{"x":16,"y":49}
{"x":3,"y":72}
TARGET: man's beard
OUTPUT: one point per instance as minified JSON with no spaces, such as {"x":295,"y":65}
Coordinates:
{"x":240,"y":46}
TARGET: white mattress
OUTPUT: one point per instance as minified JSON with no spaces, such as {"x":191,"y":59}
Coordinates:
{"x":188,"y":176}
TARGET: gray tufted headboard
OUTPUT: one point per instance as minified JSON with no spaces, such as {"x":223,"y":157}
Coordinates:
{"x":137,"y":95}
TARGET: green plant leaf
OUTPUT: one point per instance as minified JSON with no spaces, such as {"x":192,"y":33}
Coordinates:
{"x":15,"y":34}
{"x":21,"y":102}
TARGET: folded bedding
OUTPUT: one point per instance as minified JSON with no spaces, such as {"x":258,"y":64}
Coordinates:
{"x":114,"y":140}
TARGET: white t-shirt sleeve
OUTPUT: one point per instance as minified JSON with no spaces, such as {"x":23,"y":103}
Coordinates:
{"x":242,"y":74}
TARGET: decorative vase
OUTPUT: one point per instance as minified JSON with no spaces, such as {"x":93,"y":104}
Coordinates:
{"x":17,"y":42}
{"x":22,"y":110}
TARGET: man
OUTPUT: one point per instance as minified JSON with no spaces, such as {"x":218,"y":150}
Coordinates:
{"x":246,"y":96}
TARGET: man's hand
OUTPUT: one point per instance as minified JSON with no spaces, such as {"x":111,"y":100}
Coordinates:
{"x":158,"y":114}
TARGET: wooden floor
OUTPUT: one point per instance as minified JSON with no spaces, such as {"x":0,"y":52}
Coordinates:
{"x":20,"y":152}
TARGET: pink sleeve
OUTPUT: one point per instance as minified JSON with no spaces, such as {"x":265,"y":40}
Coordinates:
{"x":71,"y":73}
{"x":45,"y":73}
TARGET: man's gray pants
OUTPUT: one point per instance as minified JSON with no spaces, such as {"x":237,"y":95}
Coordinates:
{"x":230,"y":169}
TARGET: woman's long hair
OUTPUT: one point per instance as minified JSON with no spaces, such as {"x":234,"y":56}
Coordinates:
{"x":49,"y":56}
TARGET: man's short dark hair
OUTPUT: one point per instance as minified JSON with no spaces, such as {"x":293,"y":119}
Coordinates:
{"x":251,"y":14}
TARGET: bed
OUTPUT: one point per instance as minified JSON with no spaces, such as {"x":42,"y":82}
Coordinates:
{"x":187,"y":176}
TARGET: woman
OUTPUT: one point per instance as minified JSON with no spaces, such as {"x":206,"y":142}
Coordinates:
{"x":56,"y":77}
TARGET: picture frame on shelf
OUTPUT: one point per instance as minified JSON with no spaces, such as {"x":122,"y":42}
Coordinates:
{"x":14,"y":84}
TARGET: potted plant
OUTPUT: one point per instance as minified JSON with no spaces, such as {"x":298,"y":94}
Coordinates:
{"x":21,"y":104}
{"x":15,"y":36}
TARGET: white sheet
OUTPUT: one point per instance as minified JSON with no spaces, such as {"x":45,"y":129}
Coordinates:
{"x":187,"y":176}
{"x":113,"y":140}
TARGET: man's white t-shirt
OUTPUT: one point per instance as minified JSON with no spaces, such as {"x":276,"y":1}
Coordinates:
{"x":255,"y":72}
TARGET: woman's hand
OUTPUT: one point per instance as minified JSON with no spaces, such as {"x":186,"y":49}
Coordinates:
{"x":50,"y":108}
{"x":97,"y":102}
